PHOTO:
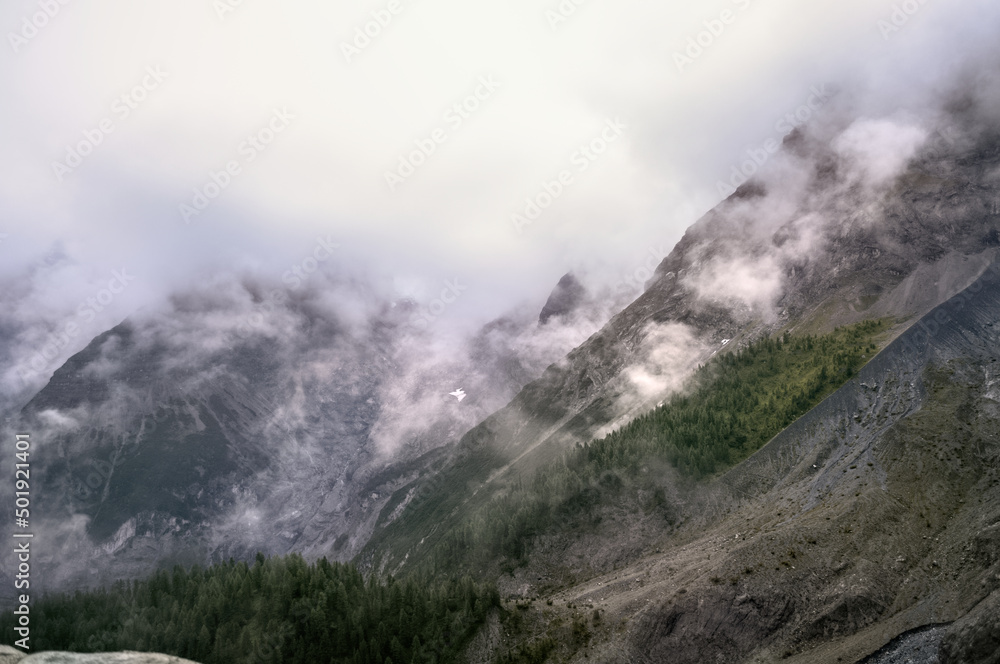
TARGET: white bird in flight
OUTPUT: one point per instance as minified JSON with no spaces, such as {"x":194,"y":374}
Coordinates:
{"x":458,"y":394}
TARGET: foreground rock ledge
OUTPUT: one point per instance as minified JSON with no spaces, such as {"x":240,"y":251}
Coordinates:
{"x":9,"y":655}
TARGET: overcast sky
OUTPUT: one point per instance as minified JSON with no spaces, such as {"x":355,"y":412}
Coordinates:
{"x":312,"y":117}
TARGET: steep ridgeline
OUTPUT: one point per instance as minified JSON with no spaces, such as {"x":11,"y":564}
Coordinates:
{"x":868,"y":526}
{"x":803,"y":256}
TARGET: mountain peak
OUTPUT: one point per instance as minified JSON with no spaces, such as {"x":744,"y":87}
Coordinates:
{"x":564,"y":299}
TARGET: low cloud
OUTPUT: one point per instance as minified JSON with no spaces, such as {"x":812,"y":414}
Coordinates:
{"x":668,"y":355}
{"x":755,"y":283}
{"x":880,"y":148}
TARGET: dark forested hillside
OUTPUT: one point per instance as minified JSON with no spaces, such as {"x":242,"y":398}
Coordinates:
{"x":278,"y":609}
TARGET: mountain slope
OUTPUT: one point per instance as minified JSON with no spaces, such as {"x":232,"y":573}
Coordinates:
{"x":886,"y":499}
{"x":825,"y":250}
{"x":869,"y":517}
{"x":875,"y":515}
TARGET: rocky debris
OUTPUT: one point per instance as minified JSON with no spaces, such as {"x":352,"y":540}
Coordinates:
{"x":715,"y":622}
{"x":10,"y":655}
{"x":975,"y":638}
{"x":919,"y":646}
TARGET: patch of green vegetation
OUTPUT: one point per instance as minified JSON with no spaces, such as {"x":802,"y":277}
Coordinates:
{"x":738,"y":402}
{"x":732,"y":406}
{"x":279,"y":609}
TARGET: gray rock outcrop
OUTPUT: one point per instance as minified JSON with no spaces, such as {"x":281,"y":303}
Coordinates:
{"x":10,"y":655}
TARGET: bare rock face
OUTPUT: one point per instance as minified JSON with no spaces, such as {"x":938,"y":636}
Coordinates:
{"x":10,"y":655}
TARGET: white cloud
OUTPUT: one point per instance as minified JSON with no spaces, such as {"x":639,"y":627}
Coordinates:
{"x":753,"y":282}
{"x":324,"y":174}
{"x":880,"y":149}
